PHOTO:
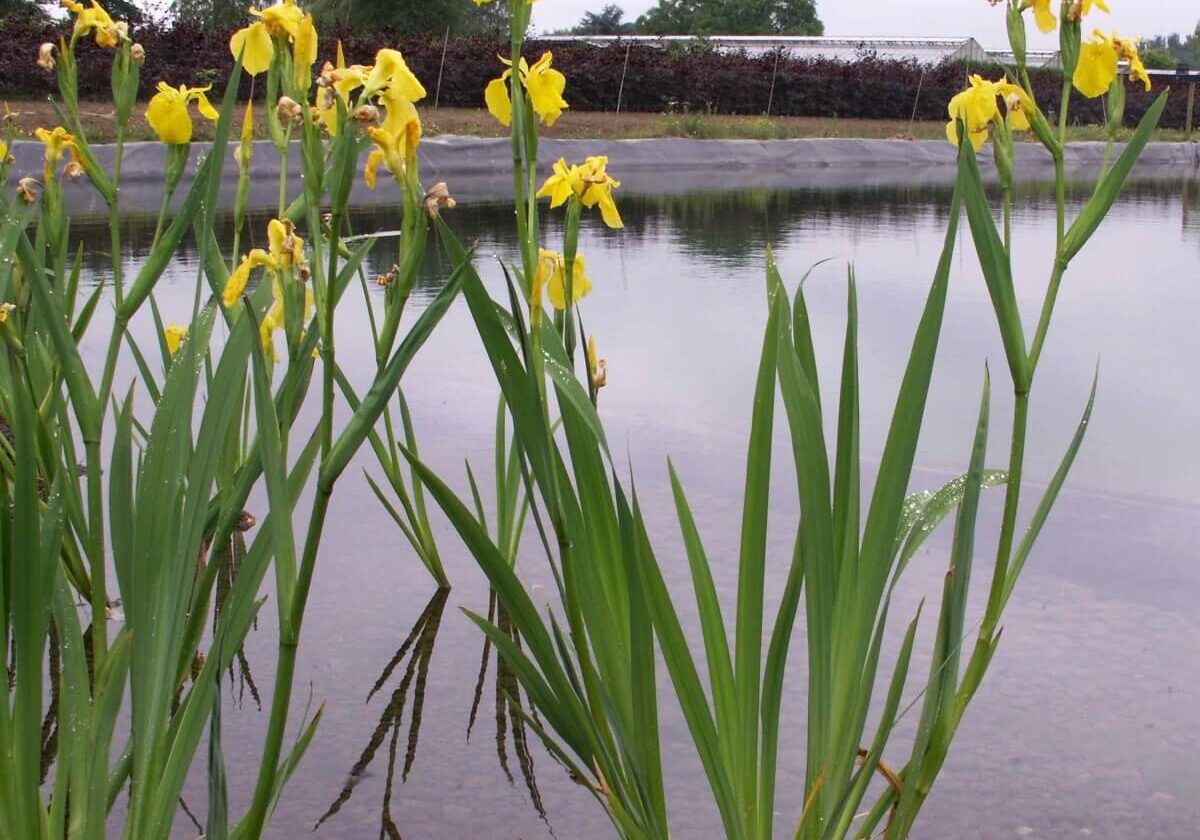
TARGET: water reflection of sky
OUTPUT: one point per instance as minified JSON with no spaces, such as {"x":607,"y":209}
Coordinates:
{"x":1087,"y":724}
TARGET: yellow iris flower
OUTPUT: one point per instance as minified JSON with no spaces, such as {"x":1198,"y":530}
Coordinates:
{"x":976,"y":107}
{"x":544,"y":84}
{"x":286,"y":250}
{"x":1017,"y":103}
{"x":393,"y":148}
{"x":283,"y":20}
{"x":174,"y":335}
{"x":108,"y":34}
{"x":340,"y":81}
{"x":589,"y":182}
{"x":168,"y":114}
{"x":552,"y":276}
{"x":1044,"y":16}
{"x":392,"y":71}
{"x":58,"y":142}
{"x":597,"y":367}
{"x":1085,"y":7}
{"x":1099,"y":60}
{"x":396,"y":140}
{"x":274,"y":319}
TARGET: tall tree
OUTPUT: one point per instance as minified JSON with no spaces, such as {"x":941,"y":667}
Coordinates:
{"x":721,"y":17}
{"x":1181,"y":49}
{"x":22,"y":10}
{"x":218,"y":14}
{"x":415,"y":17}
{"x":608,"y":21}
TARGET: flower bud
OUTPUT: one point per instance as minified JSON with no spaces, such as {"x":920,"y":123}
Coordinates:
{"x":385,"y":280}
{"x":1016,"y":35}
{"x":122,"y":29}
{"x":288,"y":110}
{"x":1116,"y":106}
{"x":45,"y":58}
{"x":138,"y":53}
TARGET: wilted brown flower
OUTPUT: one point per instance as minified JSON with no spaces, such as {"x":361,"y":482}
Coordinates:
{"x":367,"y":114}
{"x":45,"y":58}
{"x":288,"y":110}
{"x":438,"y":198}
{"x":25,"y":189}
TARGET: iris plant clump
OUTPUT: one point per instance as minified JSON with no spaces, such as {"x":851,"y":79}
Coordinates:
{"x":127,"y":497}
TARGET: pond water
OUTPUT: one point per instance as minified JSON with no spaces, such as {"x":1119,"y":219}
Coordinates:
{"x":1089,"y":721}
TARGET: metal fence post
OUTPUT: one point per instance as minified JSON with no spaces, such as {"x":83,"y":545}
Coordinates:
{"x":1191,"y":105}
{"x":437,"y":96}
{"x":774,"y":73}
{"x":624,"y":70}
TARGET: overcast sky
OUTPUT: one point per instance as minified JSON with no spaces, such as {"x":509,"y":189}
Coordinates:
{"x":928,"y":18}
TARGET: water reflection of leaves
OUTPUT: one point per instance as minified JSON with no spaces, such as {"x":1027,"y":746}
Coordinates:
{"x":417,"y":647}
{"x":230,"y":559}
{"x":509,"y":713}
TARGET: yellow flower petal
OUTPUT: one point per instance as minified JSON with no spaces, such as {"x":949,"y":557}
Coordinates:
{"x":259,"y":50}
{"x":174,"y":335}
{"x":391,"y":70}
{"x":402,"y":119}
{"x":498,"y":101}
{"x":236,"y":284}
{"x":546,"y":86}
{"x":285,"y":17}
{"x":371,"y":170}
{"x":1043,"y":16}
{"x":206,"y":108}
{"x":304,"y":52}
{"x":1097,"y":67}
{"x":168,"y":116}
{"x":581,"y":284}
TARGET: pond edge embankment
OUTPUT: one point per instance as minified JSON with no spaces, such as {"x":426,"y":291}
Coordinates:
{"x":450,"y":157}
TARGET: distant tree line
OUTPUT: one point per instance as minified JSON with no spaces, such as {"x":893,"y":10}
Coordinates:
{"x":1170,"y":51}
{"x":707,"y":17}
{"x":465,"y":18}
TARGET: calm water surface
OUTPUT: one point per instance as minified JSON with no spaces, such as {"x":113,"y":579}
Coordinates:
{"x":1088,"y":723}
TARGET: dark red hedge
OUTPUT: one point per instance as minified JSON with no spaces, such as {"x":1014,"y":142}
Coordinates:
{"x":657,"y":80}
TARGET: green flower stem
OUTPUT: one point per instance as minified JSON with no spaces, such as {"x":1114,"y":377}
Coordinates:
{"x":1039,"y":339}
{"x":283,"y":170}
{"x":285,"y":674}
{"x":1108,"y":150}
{"x":114,"y":219}
{"x":1006,"y":196}
{"x":570,"y":250}
{"x":327,"y":357}
{"x":524,"y":155}
{"x":1008,"y":527}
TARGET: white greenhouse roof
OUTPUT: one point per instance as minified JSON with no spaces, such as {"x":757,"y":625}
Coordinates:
{"x":922,"y":50}
{"x":1033,"y":58}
